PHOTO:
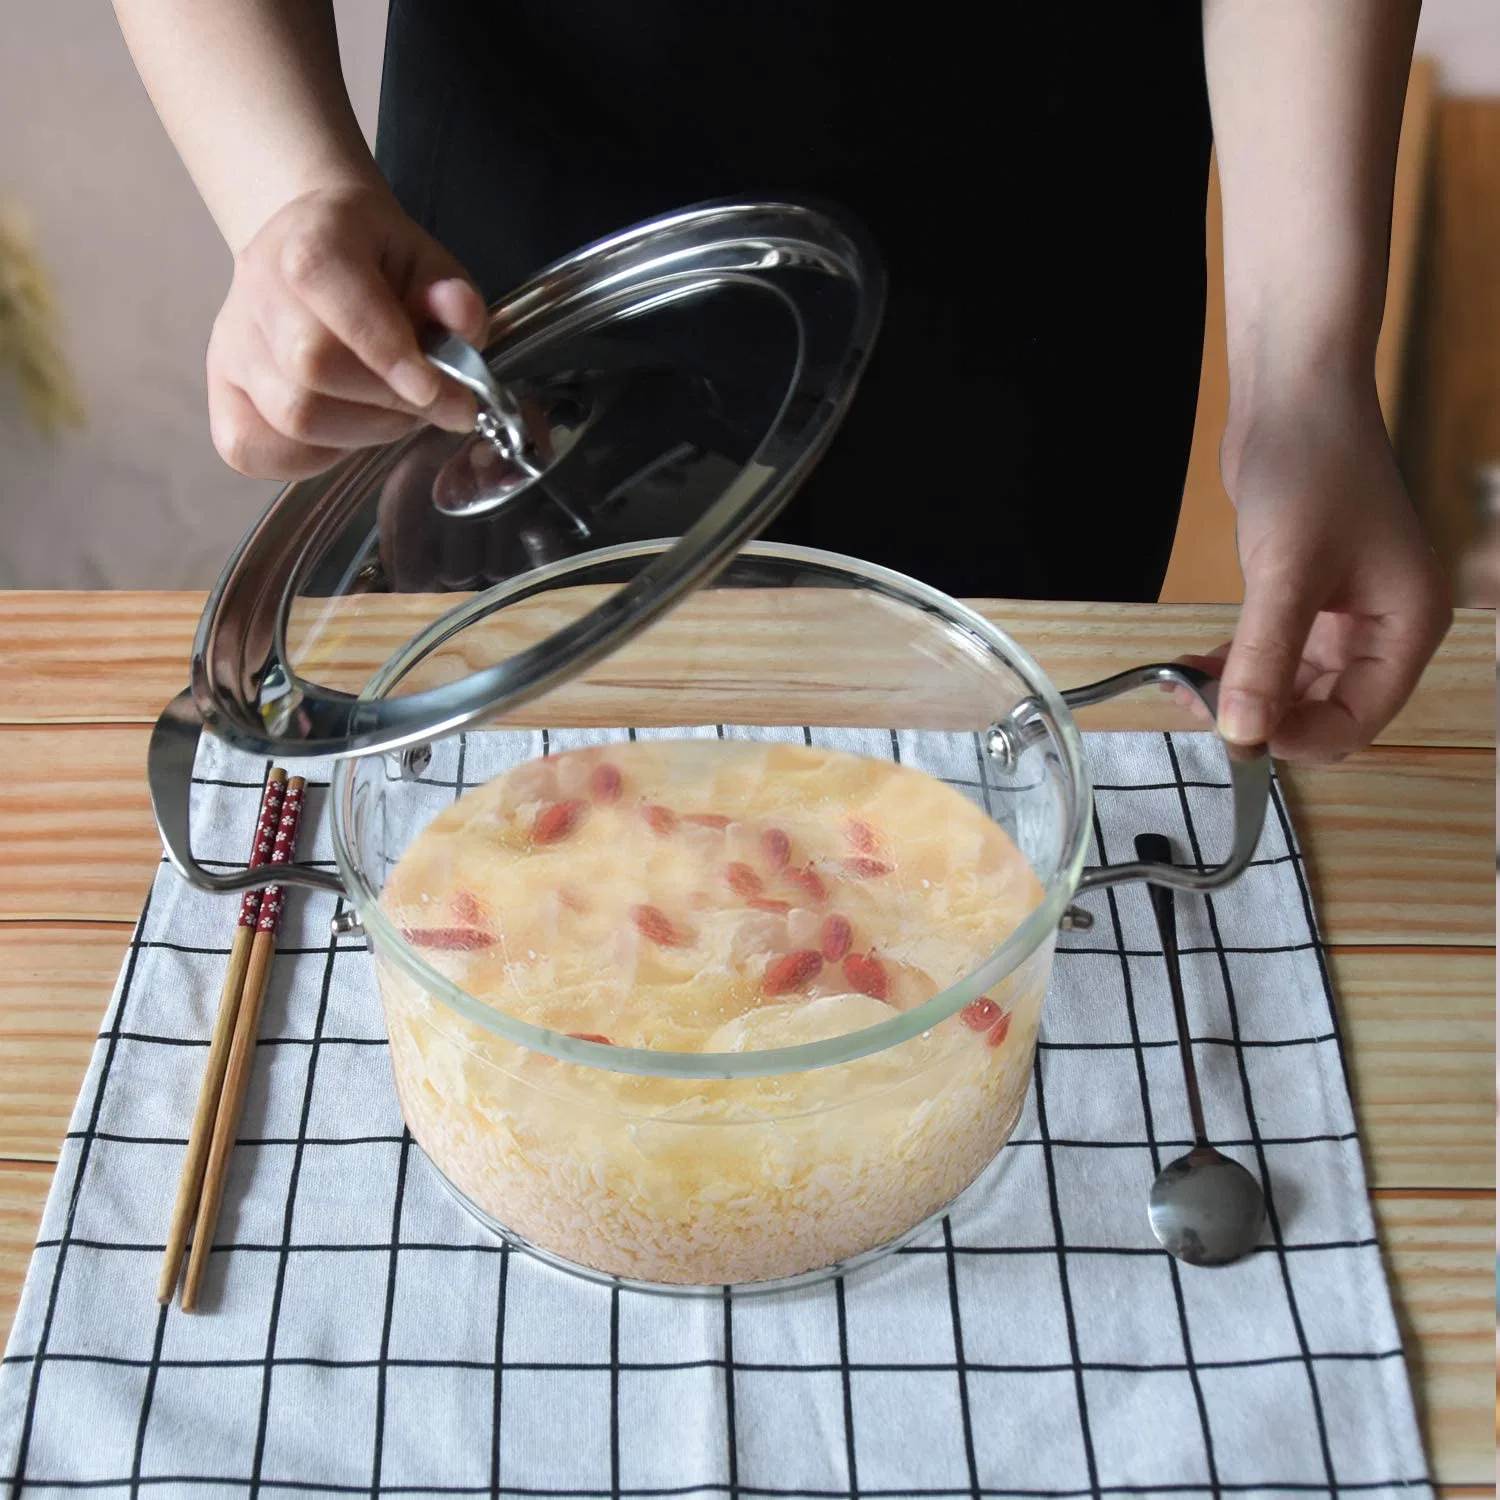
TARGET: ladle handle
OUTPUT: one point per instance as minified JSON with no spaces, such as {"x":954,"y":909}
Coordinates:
{"x":1157,"y":850}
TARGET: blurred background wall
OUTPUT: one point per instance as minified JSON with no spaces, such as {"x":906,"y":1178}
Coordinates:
{"x":137,"y":498}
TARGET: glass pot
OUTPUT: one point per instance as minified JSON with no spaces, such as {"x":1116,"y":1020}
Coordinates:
{"x":668,"y":1169}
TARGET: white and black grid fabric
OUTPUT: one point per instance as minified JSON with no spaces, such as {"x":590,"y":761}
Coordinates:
{"x":363,"y":1336}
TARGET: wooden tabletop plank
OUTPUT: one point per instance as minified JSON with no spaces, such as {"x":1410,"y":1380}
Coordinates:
{"x":1399,"y":845}
{"x":76,"y":831}
{"x":23,"y":1191}
{"x":55,"y":981}
{"x":1441,"y":1254}
{"x":1420,"y":1029}
{"x":100,"y":658}
{"x":1398,"y":841}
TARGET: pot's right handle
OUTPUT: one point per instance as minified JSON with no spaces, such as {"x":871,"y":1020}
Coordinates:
{"x":1249,"y":784}
{"x":1249,"y":777}
{"x":169,"y":773}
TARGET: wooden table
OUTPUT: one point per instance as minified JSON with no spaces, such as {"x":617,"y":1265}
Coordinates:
{"x":1399,"y":843}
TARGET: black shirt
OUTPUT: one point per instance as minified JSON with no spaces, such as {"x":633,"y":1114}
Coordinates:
{"x":1033,"y":175}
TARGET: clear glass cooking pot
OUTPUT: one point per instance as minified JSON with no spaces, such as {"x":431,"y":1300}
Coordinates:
{"x":677,"y":379}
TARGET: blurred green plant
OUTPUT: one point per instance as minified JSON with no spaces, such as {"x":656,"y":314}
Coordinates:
{"x":29,"y":347}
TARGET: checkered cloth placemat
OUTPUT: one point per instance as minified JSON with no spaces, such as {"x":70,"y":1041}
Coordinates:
{"x":364,"y":1336}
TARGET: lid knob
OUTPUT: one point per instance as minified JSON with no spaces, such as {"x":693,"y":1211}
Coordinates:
{"x":499,"y":420}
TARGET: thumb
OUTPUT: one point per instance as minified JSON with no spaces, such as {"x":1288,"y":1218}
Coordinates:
{"x":454,"y":302}
{"x":441,"y":291}
{"x":1261,"y":670}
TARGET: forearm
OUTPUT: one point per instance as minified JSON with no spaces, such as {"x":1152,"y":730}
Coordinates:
{"x":1306,"y":101}
{"x":251,"y":93}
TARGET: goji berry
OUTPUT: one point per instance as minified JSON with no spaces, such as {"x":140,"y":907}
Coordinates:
{"x":743,"y":881}
{"x":656,"y":926}
{"x":453,"y":938}
{"x":661,"y":819}
{"x":835,"y":937}
{"x":867,"y":974}
{"x":980,"y":1014}
{"x":606,"y":783}
{"x":792,"y":971}
{"x":556,"y":821}
{"x":767,"y":903}
{"x":776,"y":848}
{"x":810,"y":881}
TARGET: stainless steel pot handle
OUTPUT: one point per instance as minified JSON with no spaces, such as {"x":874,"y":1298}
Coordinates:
{"x":1249,"y":775}
{"x":169,"y":773}
{"x":174,"y":746}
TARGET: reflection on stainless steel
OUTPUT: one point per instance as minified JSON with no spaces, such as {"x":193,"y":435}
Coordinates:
{"x":169,"y":775}
{"x":499,"y":419}
{"x":1249,"y":773}
{"x":484,"y":475}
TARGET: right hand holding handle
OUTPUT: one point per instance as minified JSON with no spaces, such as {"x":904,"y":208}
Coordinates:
{"x":315,"y":350}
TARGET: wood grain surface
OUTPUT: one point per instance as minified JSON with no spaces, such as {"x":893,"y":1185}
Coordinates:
{"x":1399,"y":842}
{"x":55,"y":980}
{"x":1402,"y":845}
{"x":1422,"y":1028}
{"x":1441,"y":1256}
{"x":131,"y":660}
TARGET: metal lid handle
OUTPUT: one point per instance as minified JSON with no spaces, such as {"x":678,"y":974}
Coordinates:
{"x":499,"y":417}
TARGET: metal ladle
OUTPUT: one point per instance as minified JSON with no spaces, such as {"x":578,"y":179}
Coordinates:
{"x":1205,"y":1209}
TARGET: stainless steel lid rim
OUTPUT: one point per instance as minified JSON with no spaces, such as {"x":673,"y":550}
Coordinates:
{"x":243,"y":677}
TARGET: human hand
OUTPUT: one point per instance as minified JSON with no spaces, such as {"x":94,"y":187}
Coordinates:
{"x":314,"y":352}
{"x":1344,"y":600}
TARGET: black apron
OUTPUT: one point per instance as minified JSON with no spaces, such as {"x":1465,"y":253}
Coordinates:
{"x":1033,"y":175}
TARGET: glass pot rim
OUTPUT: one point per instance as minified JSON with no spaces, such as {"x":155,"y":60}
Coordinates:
{"x":1037,"y":928}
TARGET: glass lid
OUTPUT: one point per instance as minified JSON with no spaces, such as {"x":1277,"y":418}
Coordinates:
{"x":677,"y":380}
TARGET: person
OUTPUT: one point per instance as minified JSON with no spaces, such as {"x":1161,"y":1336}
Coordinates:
{"x":1035,"y":179}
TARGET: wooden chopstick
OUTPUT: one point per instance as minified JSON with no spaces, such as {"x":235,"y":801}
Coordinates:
{"x":241,"y":1050}
{"x":186,"y":1207}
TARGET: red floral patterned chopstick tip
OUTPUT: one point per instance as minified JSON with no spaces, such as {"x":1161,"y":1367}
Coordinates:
{"x":283,"y":847}
{"x":265,"y":841}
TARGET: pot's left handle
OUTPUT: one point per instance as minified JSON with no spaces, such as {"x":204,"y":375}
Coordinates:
{"x":169,"y":773}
